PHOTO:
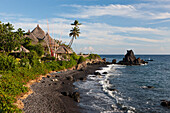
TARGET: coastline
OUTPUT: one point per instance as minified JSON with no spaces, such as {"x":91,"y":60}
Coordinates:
{"x":47,"y":97}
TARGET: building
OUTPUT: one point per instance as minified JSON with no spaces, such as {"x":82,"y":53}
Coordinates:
{"x":37,"y":35}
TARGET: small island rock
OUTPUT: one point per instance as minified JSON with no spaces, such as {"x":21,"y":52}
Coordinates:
{"x":130,"y":59}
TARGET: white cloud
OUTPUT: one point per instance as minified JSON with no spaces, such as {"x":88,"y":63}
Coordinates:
{"x":136,"y":11}
{"x":26,"y":19}
{"x":98,"y":33}
{"x":94,"y":35}
{"x":114,"y":10}
{"x":10,"y":15}
{"x":87,"y":49}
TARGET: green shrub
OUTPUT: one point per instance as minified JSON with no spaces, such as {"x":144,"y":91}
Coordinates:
{"x":34,"y":59}
{"x":7,"y":62}
{"x":37,"y":48}
{"x":24,"y":62}
{"x":72,"y":63}
{"x":53,"y":66}
{"x":93,"y":56}
{"x":81,"y":59}
{"x":6,"y":104}
{"x":47,"y":58}
{"x":75,"y":56}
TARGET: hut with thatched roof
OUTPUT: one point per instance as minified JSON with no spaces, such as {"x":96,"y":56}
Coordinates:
{"x":34,"y":40}
{"x":62,"y":50}
{"x":38,"y":32}
{"x":18,"y":52}
{"x":21,"y":49}
{"x":37,"y":35}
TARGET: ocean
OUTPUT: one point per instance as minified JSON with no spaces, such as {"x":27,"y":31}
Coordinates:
{"x":128,"y":83}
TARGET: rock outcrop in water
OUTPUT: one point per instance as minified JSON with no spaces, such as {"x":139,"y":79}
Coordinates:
{"x":165,"y":103}
{"x":130,"y":59}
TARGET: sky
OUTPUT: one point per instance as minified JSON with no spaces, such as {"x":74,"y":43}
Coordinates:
{"x":108,"y":26}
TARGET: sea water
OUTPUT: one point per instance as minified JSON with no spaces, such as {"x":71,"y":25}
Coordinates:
{"x":129,"y":92}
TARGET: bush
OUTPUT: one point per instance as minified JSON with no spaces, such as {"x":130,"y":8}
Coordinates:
{"x":7,"y":62}
{"x":37,"y":48}
{"x":24,"y":62}
{"x":81,"y":59}
{"x":72,"y":63}
{"x":53,"y":66}
{"x":75,"y":56}
{"x":47,"y":58}
{"x":93,"y":56}
{"x":34,"y":59}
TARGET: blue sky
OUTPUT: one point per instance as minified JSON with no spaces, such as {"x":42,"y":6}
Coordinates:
{"x":108,"y":26}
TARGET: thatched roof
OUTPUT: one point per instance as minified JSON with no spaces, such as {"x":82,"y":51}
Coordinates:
{"x":63,"y":50}
{"x":38,"y":35}
{"x":69,"y":51}
{"x":34,"y":40}
{"x":48,"y":38}
{"x":38,"y":32}
{"x":21,"y":49}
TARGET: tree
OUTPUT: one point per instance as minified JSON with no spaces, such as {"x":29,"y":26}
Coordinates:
{"x":76,"y":23}
{"x":26,"y":41}
{"x":10,"y":40}
{"x":75,"y":32}
{"x":38,"y":48}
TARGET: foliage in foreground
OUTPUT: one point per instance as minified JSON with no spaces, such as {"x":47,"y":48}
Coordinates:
{"x":15,"y":74}
{"x":10,"y":40}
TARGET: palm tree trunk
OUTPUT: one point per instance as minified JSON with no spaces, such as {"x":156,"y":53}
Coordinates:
{"x":71,"y":42}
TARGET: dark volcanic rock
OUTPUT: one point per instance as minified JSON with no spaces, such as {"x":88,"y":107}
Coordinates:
{"x":49,"y":99}
{"x":104,"y":59}
{"x":147,"y":87}
{"x":82,"y":78}
{"x":97,"y":73}
{"x":76,"y":96}
{"x":81,"y":65}
{"x":65,"y":93}
{"x":104,"y":73}
{"x":165,"y":103}
{"x":114,"y":61}
{"x":70,"y":78}
{"x":112,"y":89}
{"x":150,"y":87}
{"x":130,"y":59}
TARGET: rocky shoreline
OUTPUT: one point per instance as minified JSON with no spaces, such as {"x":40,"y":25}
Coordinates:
{"x":56,"y":92}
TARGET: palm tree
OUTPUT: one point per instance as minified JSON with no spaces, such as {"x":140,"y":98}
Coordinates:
{"x":74,"y":33}
{"x":76,"y":23}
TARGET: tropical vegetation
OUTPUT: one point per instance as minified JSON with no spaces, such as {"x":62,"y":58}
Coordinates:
{"x":17,"y":71}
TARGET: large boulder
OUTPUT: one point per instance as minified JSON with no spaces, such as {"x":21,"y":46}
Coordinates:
{"x":104,"y":59}
{"x":75,"y":96}
{"x":130,"y":59}
{"x":81,"y":66}
{"x":114,"y":61}
{"x":70,"y":78}
{"x":165,"y":103}
{"x":97,"y":73}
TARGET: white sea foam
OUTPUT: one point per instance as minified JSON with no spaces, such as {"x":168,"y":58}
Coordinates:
{"x":95,"y":87}
{"x":114,"y":94}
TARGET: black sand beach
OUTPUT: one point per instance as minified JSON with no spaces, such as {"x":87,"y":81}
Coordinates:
{"x":47,"y":97}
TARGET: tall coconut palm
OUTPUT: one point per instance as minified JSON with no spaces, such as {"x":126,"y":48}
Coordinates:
{"x":74,"y":33}
{"x":76,"y":23}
